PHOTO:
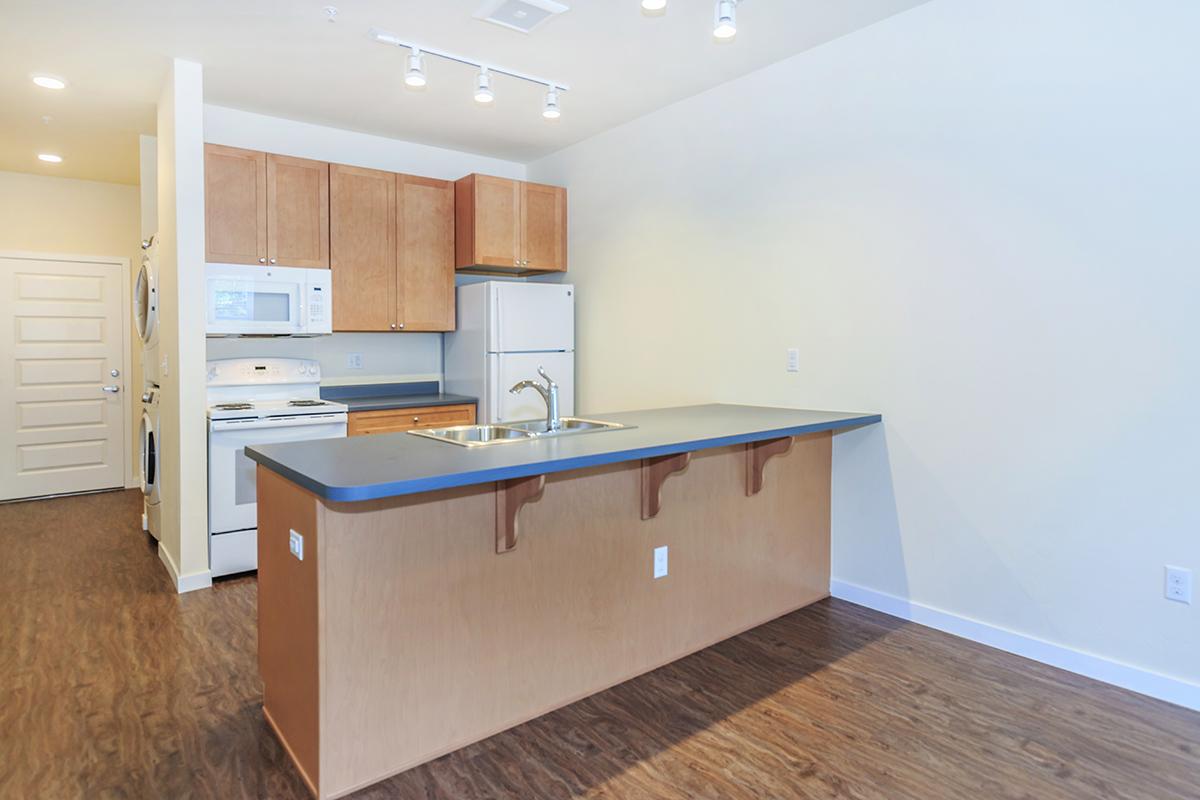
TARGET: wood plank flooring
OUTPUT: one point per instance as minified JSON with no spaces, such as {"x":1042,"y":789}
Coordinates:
{"x":112,"y":686}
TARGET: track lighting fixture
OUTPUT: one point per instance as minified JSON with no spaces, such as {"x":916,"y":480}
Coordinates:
{"x":725,"y":19}
{"x":550,"y":108}
{"x":415,"y":75}
{"x":483,"y":87}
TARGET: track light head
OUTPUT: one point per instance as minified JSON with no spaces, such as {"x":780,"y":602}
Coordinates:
{"x":550,"y":108}
{"x":483,"y":87}
{"x":725,"y":19}
{"x":414,"y":76}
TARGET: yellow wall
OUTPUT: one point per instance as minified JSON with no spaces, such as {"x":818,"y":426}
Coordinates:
{"x":72,"y":217}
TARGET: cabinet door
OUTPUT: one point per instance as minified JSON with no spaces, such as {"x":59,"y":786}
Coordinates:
{"x":362,"y":248}
{"x":543,"y":227}
{"x":235,"y":205}
{"x":495,"y":222}
{"x":425,"y":274}
{"x":297,"y":212}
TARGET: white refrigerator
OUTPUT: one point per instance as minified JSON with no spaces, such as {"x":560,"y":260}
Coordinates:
{"x":506,"y":330}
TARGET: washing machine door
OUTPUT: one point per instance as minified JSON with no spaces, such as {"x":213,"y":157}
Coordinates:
{"x":145,"y":297}
{"x":149,"y":463}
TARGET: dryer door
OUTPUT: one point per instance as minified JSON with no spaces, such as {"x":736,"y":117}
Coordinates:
{"x":145,"y":300}
{"x":149,"y":462}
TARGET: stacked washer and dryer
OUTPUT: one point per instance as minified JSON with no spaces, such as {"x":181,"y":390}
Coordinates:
{"x":145,"y":313}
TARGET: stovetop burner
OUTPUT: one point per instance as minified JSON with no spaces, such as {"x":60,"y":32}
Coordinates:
{"x":234,"y":406}
{"x":305,"y":403}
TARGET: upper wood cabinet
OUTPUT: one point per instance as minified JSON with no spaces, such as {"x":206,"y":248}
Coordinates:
{"x":510,"y":226}
{"x":362,"y":248}
{"x":235,"y":205}
{"x":392,"y":251}
{"x":261,"y":208}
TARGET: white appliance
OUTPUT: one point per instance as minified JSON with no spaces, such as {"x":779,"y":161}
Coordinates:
{"x":506,"y":330}
{"x":250,"y":402}
{"x":145,"y":311}
{"x":267,"y":301}
{"x":151,"y":477}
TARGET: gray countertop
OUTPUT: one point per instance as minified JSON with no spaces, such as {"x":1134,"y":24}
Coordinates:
{"x":386,"y":465}
{"x":384,"y":396}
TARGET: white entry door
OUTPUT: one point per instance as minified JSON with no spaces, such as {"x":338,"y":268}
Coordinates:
{"x":62,"y":345}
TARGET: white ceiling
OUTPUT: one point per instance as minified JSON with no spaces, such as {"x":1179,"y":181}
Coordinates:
{"x":281,"y":57}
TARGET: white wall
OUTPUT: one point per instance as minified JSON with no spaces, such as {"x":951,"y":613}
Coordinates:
{"x":386,"y":356}
{"x":979,"y":219}
{"x":184,"y":443}
{"x":73,"y":217}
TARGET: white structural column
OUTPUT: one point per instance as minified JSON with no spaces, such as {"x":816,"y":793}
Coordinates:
{"x":184,"y":545}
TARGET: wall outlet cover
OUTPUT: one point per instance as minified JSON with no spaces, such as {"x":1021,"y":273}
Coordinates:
{"x":660,"y":562}
{"x":296,"y":545}
{"x":1178,"y":585}
{"x":354,"y":361}
{"x":793,"y":359}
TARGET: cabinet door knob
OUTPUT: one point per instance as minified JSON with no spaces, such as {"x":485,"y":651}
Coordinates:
{"x":416,"y":420}
{"x":262,"y":260}
{"x":401,"y":324}
{"x":393,"y":326}
{"x":272,"y":261}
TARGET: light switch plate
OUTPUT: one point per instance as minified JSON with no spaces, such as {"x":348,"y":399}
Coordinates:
{"x":793,"y":359}
{"x":660,"y":562}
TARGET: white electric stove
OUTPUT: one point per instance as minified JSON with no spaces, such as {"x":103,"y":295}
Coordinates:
{"x":255,"y":401}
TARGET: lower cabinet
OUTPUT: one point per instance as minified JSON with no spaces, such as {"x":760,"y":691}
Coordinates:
{"x":395,"y":420}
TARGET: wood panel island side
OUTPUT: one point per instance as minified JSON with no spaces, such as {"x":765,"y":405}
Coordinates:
{"x":443,"y":594}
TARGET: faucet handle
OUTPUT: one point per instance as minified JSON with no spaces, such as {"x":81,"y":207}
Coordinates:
{"x":549,"y":380}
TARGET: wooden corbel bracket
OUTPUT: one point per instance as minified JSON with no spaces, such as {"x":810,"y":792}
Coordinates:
{"x":511,"y":496}
{"x":757,"y":455}
{"x":655,"y":472}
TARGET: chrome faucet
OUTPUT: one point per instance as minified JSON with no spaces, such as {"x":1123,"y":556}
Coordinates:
{"x":549,"y":393}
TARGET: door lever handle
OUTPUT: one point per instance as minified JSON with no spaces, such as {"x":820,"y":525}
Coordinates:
{"x":110,"y":389}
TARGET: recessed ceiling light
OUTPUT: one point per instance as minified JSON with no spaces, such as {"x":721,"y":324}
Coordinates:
{"x":50,"y":158}
{"x":49,"y":81}
{"x":654,"y":5}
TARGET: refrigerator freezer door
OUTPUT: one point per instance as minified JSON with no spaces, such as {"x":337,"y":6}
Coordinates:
{"x":509,"y":368}
{"x":527,"y":317}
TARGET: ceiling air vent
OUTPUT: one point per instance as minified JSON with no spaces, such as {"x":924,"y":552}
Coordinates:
{"x":520,"y":15}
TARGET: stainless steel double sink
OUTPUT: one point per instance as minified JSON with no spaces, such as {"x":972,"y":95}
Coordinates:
{"x":483,"y":435}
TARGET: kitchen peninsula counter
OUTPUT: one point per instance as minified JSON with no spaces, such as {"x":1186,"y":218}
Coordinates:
{"x":416,"y":596}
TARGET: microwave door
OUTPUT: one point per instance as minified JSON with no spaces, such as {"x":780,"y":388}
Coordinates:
{"x":237,"y":304}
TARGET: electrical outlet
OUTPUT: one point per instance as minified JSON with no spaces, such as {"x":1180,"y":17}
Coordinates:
{"x":296,"y":545}
{"x":793,"y":359}
{"x":1178,"y":585}
{"x":660,"y":562}
{"x":354,"y":361}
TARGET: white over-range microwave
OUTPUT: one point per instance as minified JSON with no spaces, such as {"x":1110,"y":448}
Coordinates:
{"x":245,"y":300}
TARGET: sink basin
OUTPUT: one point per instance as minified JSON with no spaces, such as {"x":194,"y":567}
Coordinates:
{"x":475,"y":435}
{"x":480,"y":435}
{"x":569,"y":425}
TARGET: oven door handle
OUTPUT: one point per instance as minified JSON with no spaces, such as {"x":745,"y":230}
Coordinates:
{"x":277,"y":422}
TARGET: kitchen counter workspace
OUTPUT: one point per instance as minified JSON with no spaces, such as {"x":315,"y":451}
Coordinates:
{"x":387,"y":396}
{"x":415,"y":596}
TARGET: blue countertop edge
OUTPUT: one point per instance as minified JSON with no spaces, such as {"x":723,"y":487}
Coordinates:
{"x":353,"y":494}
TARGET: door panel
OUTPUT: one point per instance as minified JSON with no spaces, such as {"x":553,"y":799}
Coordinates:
{"x":511,"y":368}
{"x":235,"y":205}
{"x":362,"y":232}
{"x":532,"y":316}
{"x":297,"y":212}
{"x":425,"y":297}
{"x":543,"y":226}
{"x":497,"y":221}
{"x":61,"y":335}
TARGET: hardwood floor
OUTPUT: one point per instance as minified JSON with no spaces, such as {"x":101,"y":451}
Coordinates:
{"x":112,"y":686}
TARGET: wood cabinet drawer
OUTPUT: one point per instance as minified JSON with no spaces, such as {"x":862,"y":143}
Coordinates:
{"x":394,"y":420}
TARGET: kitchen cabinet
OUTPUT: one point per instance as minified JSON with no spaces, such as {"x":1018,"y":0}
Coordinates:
{"x":509,"y":226}
{"x":362,"y":248}
{"x":392,"y":251}
{"x":363,"y":423}
{"x":261,"y":208}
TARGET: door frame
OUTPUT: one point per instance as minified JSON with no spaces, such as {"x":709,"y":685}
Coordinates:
{"x":131,"y":479}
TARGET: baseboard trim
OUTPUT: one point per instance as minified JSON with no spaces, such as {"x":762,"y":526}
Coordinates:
{"x":1135,"y":679}
{"x":183,"y":583}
